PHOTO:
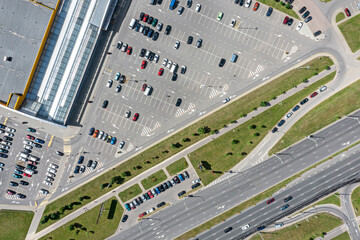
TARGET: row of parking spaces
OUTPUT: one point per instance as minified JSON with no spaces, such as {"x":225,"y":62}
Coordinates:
{"x":354,"y":7}
{"x":100,"y":145}
{"x":89,"y":167}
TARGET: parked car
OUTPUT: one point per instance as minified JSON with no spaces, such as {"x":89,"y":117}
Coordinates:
{"x":347,"y":12}
{"x":93,"y":166}
{"x":181,"y":193}
{"x":269,"y":11}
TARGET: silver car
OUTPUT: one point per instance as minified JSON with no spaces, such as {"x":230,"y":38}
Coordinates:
{"x":127,"y":114}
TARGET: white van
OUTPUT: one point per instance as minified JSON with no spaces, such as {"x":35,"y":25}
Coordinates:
{"x":148,"y":90}
{"x":132,"y":23}
{"x":29,"y":171}
{"x":24,"y":155}
{"x":173,"y":67}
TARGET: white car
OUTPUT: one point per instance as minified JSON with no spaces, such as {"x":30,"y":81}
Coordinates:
{"x":156,"y":58}
{"x":358,"y":5}
{"x":323,"y":88}
{"x":289,"y":115}
{"x":169,"y":63}
{"x":177,"y":45}
{"x":150,"y":210}
{"x":196,"y":181}
{"x":10,"y":129}
{"x":44,"y":191}
{"x":49,"y":174}
{"x":299,"y":26}
{"x":233,"y":22}
{"x":9,"y":134}
{"x":52,"y":165}
{"x":51,"y":170}
{"x":109,"y":83}
{"x":128,"y":113}
{"x":121,"y":145}
{"x":245,"y":227}
{"x":28,"y":147}
{"x":226,"y":100}
{"x":248,"y":3}
{"x":48,"y":183}
{"x":165,"y":62}
{"x":27,"y":142}
{"x":198,"y":7}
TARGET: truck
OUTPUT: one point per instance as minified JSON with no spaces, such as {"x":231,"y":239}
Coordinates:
{"x":172,"y":5}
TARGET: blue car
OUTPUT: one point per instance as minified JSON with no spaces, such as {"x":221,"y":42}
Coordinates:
{"x":261,"y":228}
{"x":296,"y":108}
{"x":181,"y":177}
{"x":16,"y":176}
{"x":157,"y":190}
{"x":81,"y":160}
{"x":77,"y":168}
{"x":269,"y":11}
{"x":18,"y":172}
{"x":285,"y":207}
{"x":113,"y":140}
{"x":2,"y":126}
{"x":127,"y":206}
{"x":91,"y":132}
{"x":39,"y":141}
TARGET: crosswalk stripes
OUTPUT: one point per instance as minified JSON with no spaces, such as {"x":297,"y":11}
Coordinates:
{"x":107,"y":71}
{"x":148,"y":130}
{"x":215,"y":92}
{"x":181,"y":111}
{"x":40,"y":195}
{"x":11,"y":197}
{"x":258,"y":69}
{"x":67,"y":146}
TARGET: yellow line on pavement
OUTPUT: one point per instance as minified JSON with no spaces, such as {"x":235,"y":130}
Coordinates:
{"x":5,"y":120}
{"x":51,"y":139}
{"x":35,"y":203}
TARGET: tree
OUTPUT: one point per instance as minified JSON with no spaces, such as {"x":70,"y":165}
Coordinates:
{"x":103,"y":185}
{"x":62,"y":210}
{"x":53,"y":216}
{"x":201,"y":130}
{"x":256,"y":134}
{"x":71,"y":227}
{"x":253,"y":126}
{"x":70,"y":206}
{"x":81,"y":199}
{"x":123,"y":174}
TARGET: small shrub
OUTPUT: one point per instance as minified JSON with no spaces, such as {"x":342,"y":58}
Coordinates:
{"x":243,"y":153}
{"x":263,"y":104}
{"x":201,"y":130}
{"x":263,"y":126}
{"x":235,"y":141}
{"x":253,"y":126}
{"x":256,"y":134}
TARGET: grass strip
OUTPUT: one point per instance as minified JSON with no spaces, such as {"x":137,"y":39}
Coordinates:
{"x":15,"y":224}
{"x":311,"y":228}
{"x":282,"y":8}
{"x":327,"y":112}
{"x":226,"y":151}
{"x":343,"y":236}
{"x":350,"y":30}
{"x":168,"y":147}
{"x":130,"y":193}
{"x":86,"y":227}
{"x":355,"y":199}
{"x":177,"y":166}
{"x":332,"y":199}
{"x":154,"y":179}
{"x":252,"y":201}
{"x":340,"y":16}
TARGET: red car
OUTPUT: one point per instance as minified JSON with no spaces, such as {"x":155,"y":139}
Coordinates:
{"x":26,"y":175}
{"x":286,"y":19}
{"x":145,"y":18}
{"x":150,"y":194}
{"x":96,"y":133}
{"x":347,"y":12}
{"x":144,"y":86}
{"x":256,"y":6}
{"x":141,"y":215}
{"x":143,"y":64}
{"x":313,"y":94}
{"x":136,"y":116}
{"x":129,"y":50}
{"x":161,"y":71}
{"x":270,"y":201}
{"x":30,"y":137}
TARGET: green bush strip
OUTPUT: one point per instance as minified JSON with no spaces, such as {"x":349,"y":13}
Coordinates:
{"x":183,"y":139}
{"x":250,"y":202}
{"x":350,"y":29}
{"x":177,"y":166}
{"x":327,"y":112}
{"x":86,"y":227}
{"x":340,"y":16}
{"x":130,"y":193}
{"x":285,"y":8}
{"x":223,"y":153}
{"x":154,"y":179}
{"x":15,"y":224}
{"x":311,"y":228}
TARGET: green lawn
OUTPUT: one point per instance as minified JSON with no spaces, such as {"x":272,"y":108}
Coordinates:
{"x":86,"y":226}
{"x":355,"y":199}
{"x":350,"y":29}
{"x":154,"y":179}
{"x":327,"y":112}
{"x":343,"y":236}
{"x":177,"y":166}
{"x":130,"y":193}
{"x":163,"y":150}
{"x":221,"y":154}
{"x":340,"y":16}
{"x":315,"y":227}
{"x":278,"y":6}
{"x":332,"y":199}
{"x":15,"y":224}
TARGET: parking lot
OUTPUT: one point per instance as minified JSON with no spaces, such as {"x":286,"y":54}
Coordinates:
{"x":260,"y":42}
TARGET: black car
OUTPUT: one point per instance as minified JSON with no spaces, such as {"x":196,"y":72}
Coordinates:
{"x":302,"y":10}
{"x":37,"y":145}
{"x":189,"y":3}
{"x":222,"y":62}
{"x":308,"y":19}
{"x":178,"y":102}
{"x":186,"y":174}
{"x":236,"y":2}
{"x":24,"y":183}
{"x":226,"y":230}
{"x":81,"y":160}
{"x":167,"y":30}
{"x":32,"y":167}
{"x":274,"y":130}
{"x":146,"y":195}
{"x":7,"y":138}
{"x":21,"y":195}
{"x":165,"y":186}
{"x":195,"y":185}
{"x":174,"y":76}
{"x":146,"y":30}
{"x":26,"y":151}
{"x":307,"y":13}
{"x":89,"y":163}
{"x":176,"y":179}
{"x":288,"y":199}
{"x":59,"y":153}
{"x":281,"y":123}
{"x":181,"y":193}
{"x":155,"y":36}
{"x":140,"y":200}
{"x":19,"y":167}
{"x":142,"y":14}
{"x":241,"y":2}
{"x":125,"y":217}
{"x":317,"y":33}
{"x":14,"y":184}
{"x":162,"y":189}
{"x":160,"y":204}
{"x":77,"y":168}
{"x":169,"y":184}
{"x":305,"y":100}
{"x":260,"y":228}
{"x":269,"y":11}
{"x":290,"y":21}
{"x":151,"y":56}
{"x":3,"y":155}
{"x":150,"y":20}
{"x":105,"y":104}
{"x":142,"y":52}
{"x":296,"y":108}
{"x":91,"y":131}
{"x":190,"y":40}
